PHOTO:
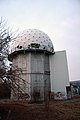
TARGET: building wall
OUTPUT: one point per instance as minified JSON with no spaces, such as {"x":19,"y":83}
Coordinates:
{"x":59,"y":74}
{"x":21,"y":65}
{"x":35,"y":72}
{"x":40,"y":77}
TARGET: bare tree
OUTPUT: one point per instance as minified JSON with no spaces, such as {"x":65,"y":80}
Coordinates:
{"x":6,"y":72}
{"x":5,"y":38}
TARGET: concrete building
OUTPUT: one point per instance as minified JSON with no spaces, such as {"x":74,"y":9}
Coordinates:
{"x":43,"y":70}
{"x":59,"y":75}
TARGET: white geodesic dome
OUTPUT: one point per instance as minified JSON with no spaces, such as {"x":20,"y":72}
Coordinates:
{"x":32,"y":39}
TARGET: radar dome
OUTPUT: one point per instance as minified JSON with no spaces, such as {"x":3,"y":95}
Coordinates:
{"x":32,"y":39}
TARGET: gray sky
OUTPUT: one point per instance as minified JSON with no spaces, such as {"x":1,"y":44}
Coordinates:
{"x":60,"y":19}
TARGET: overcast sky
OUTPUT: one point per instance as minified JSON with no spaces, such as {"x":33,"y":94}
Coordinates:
{"x":60,"y":19}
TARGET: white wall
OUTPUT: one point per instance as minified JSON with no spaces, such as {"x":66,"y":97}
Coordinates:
{"x":59,"y":73}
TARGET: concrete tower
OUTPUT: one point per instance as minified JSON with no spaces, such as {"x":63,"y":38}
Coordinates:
{"x":30,"y":52}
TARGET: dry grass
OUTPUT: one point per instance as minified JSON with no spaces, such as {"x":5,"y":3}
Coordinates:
{"x":55,"y":110}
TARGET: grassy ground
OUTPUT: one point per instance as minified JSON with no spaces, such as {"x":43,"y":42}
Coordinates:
{"x":54,"y":110}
